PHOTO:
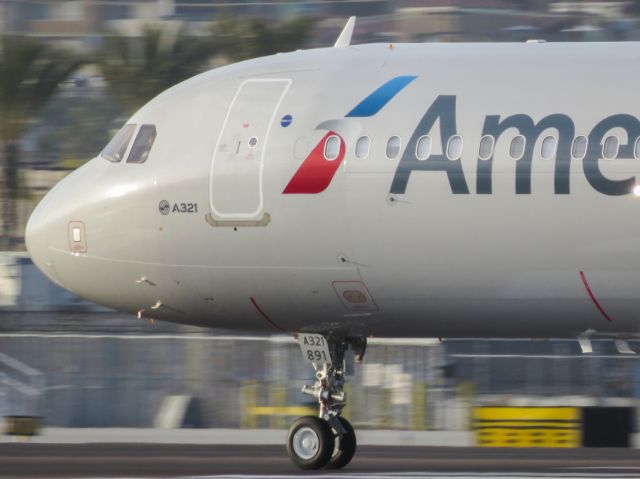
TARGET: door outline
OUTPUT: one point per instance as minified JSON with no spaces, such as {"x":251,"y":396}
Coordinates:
{"x":255,"y":217}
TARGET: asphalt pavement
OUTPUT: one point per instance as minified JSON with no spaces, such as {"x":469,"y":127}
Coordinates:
{"x":167,"y":460}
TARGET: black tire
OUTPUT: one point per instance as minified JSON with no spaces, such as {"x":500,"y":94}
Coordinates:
{"x":314,"y":434}
{"x":345,"y":446}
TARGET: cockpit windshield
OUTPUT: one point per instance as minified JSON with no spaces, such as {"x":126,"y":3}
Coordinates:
{"x":118,"y":145}
{"x":142,"y":144}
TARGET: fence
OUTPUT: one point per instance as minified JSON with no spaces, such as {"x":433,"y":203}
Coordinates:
{"x":21,"y":388}
{"x":109,"y":380}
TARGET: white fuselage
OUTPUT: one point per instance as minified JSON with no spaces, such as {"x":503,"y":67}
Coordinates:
{"x":261,"y":234}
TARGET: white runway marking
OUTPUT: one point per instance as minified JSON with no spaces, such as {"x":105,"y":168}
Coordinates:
{"x":606,"y":473}
{"x":437,"y":475}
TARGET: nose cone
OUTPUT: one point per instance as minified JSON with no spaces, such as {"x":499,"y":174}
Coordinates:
{"x":37,"y":239}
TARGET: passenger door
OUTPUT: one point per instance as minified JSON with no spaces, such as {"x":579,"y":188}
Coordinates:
{"x":237,"y":165}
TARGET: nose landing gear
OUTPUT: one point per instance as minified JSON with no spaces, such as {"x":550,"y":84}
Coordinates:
{"x":328,"y":440}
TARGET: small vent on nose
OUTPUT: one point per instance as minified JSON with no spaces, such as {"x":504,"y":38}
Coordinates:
{"x":77,"y":237}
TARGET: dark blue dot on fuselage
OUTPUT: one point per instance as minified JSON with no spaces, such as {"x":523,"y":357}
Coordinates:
{"x":286,"y":121}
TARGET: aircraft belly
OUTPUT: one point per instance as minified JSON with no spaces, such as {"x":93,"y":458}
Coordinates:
{"x":492,"y":265}
{"x":252,"y":298}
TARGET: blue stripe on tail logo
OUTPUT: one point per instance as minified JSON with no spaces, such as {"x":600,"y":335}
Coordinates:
{"x":380,"y":97}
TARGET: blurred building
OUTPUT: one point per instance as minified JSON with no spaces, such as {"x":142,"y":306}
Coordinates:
{"x":609,"y":9}
{"x":80,"y":23}
{"x":462,"y":21}
{"x":76,"y":23}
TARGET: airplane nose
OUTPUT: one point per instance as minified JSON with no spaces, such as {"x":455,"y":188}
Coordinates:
{"x":37,"y":240}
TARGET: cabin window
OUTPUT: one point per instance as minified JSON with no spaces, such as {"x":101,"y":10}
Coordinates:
{"x":548,"y":148}
{"x":454,"y":147}
{"x":332,"y":148}
{"x":117,"y":147}
{"x":610,"y":148}
{"x":363,"y":145}
{"x":579,"y":147}
{"x":487,"y":143}
{"x":423,"y":148}
{"x":393,"y":147}
{"x":516,"y":150}
{"x":142,"y":144}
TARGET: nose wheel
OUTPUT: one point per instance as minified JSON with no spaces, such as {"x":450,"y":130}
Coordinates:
{"x":313,"y":444}
{"x":328,"y":440}
{"x":310,"y":442}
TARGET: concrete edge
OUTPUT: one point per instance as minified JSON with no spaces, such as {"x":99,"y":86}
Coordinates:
{"x":54,"y":435}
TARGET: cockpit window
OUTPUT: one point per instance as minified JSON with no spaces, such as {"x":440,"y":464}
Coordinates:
{"x":117,"y":147}
{"x":142,"y":144}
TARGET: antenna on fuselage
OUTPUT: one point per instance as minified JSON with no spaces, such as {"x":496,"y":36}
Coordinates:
{"x":344,"y":40}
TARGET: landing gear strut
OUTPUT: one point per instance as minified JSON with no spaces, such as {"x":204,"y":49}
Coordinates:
{"x":328,"y":440}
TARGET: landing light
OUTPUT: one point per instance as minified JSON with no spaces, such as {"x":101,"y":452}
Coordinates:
{"x":636,"y":190}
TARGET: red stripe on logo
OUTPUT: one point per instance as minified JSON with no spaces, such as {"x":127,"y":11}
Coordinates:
{"x":316,"y":172}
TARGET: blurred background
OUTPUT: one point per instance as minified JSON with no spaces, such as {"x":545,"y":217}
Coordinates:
{"x":71,"y":72}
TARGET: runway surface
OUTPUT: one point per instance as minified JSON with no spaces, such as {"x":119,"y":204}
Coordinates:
{"x":376,"y":462}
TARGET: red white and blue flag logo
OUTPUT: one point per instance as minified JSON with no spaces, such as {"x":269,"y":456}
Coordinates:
{"x":316,"y":172}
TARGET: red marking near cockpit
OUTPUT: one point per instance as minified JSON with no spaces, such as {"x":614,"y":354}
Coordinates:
{"x":264,"y":315}
{"x":593,"y":298}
